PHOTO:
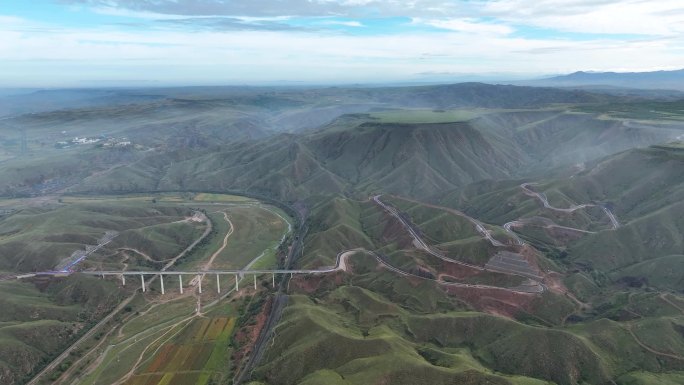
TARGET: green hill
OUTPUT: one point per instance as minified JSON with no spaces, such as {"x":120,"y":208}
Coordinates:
{"x":609,"y":313}
{"x":360,"y":154}
{"x":359,"y":334}
{"x":40,"y":318}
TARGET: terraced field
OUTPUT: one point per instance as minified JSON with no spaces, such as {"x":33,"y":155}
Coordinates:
{"x":167,"y":339}
{"x":196,"y":355}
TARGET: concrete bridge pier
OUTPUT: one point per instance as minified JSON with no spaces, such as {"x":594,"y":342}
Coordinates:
{"x":218,"y":284}
{"x":142,"y":280}
{"x":161,"y":279}
{"x":180,"y":283}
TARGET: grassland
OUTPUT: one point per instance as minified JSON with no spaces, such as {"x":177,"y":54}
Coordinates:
{"x":41,"y":317}
{"x":207,"y":197}
{"x":39,"y":236}
{"x":459,"y":145}
{"x":151,"y":230}
{"x":165,"y":344}
{"x":380,"y":329}
{"x":257,"y":231}
{"x":643,"y":110}
{"x":376,"y":329}
{"x":427,"y":116}
{"x":454,"y":234}
{"x":359,"y":153}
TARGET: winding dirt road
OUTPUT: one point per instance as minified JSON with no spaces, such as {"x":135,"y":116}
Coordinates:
{"x":479,"y":226}
{"x":630,"y":329}
{"x":420,"y":243}
{"x":67,"y":352}
{"x":208,"y":264}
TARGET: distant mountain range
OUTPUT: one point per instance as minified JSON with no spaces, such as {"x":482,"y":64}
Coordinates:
{"x":666,"y":80}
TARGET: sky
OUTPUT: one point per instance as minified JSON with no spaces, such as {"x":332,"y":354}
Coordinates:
{"x":90,"y":43}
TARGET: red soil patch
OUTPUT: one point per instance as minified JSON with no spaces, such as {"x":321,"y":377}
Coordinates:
{"x":153,"y":379}
{"x":529,"y":253}
{"x":494,"y":301}
{"x":458,"y":271}
{"x":394,"y":231}
{"x":247,"y":335}
{"x":215,"y":328}
{"x":563,"y":236}
{"x":311,"y":283}
{"x":161,"y":358}
{"x":554,"y":281}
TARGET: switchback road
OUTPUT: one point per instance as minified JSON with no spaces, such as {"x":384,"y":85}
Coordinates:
{"x":545,"y":201}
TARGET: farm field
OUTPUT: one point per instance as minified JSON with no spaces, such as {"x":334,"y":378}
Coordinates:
{"x":462,"y":233}
{"x":195,"y":356}
{"x":168,"y":343}
{"x":149,"y":231}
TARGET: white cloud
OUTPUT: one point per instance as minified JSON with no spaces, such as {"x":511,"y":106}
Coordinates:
{"x":268,"y":8}
{"x":467,"y":26}
{"x":146,"y":15}
{"x":6,"y":21}
{"x":662,"y":17}
{"x":124,"y":12}
{"x":45,"y":55}
{"x":343,"y":23}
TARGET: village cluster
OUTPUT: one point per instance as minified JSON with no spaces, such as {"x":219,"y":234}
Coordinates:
{"x":101,"y":141}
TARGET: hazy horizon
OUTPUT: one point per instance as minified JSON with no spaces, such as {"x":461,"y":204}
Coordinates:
{"x":97,"y":43}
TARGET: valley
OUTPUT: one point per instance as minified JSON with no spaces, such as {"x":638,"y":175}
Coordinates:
{"x":264,"y":229}
{"x":472,"y":233}
{"x":341,"y":192}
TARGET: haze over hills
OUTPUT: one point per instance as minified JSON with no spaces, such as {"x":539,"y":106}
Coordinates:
{"x":453,"y":269}
{"x":662,"y":80}
{"x":337,"y":192}
{"x":182,"y":134}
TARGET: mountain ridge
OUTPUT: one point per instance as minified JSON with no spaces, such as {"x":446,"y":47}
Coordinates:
{"x":662,"y":80}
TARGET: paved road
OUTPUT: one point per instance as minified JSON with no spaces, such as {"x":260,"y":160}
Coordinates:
{"x":479,"y":226}
{"x":89,"y":249}
{"x":424,"y":246}
{"x":545,"y":201}
{"x":340,"y":264}
{"x":418,"y":241}
{"x":545,"y":222}
{"x":507,"y":226}
{"x":612,"y":217}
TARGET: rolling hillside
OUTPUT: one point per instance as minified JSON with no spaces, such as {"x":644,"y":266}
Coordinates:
{"x":232,"y":139}
{"x":450,"y":159}
{"x":623,"y":329}
{"x":357,"y":153}
{"x":646,"y":80}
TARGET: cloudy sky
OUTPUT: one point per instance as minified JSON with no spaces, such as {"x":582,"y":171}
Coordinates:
{"x":56,"y":43}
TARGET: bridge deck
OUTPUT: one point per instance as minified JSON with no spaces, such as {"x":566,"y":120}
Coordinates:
{"x":196,"y":272}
